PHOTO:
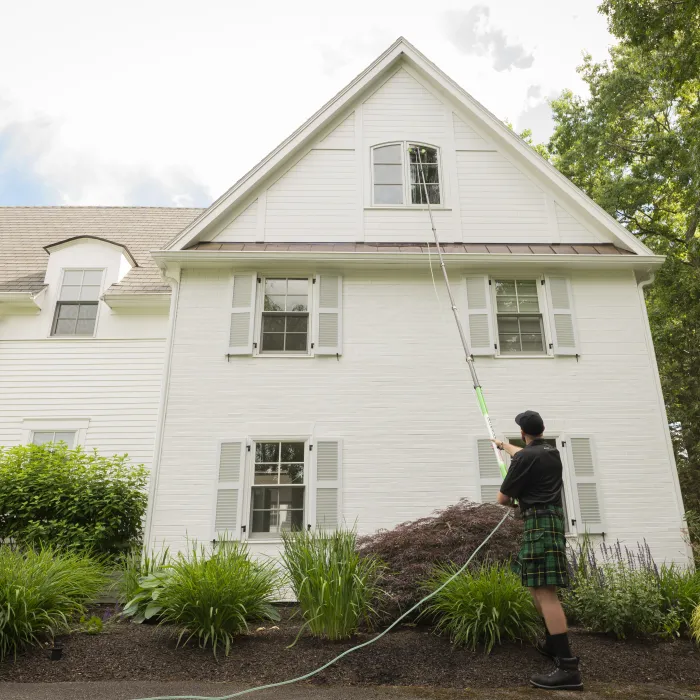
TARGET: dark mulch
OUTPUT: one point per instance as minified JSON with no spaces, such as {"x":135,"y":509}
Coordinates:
{"x":408,"y":656}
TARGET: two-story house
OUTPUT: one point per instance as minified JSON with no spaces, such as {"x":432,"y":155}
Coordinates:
{"x":311,"y":370}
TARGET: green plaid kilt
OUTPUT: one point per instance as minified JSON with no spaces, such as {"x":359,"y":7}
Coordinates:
{"x":542,"y":557}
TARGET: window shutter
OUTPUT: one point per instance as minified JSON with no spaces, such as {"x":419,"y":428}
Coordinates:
{"x":329,"y":315}
{"x":227,"y":518}
{"x":478,"y":317}
{"x":588,"y":502}
{"x":328,"y":483}
{"x":490,"y":478}
{"x":242,"y":314}
{"x":561,"y":316}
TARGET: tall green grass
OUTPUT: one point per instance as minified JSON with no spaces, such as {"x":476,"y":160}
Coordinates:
{"x":483,"y":607}
{"x":40,"y":591}
{"x":336,"y":588}
{"x":211,"y":597}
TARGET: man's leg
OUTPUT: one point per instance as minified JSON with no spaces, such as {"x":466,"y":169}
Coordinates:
{"x":549,"y":605}
{"x":545,"y":648}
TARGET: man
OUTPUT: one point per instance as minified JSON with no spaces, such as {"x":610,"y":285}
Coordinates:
{"x":535,"y":481}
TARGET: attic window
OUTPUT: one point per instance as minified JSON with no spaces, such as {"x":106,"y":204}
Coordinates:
{"x":402,"y":172}
{"x":76,"y":309}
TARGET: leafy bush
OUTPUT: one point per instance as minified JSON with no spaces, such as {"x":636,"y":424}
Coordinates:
{"x":680,"y":589}
{"x":212,"y":597}
{"x":145,"y":604}
{"x":70,"y":498}
{"x":413,"y":549}
{"x":142,"y":579}
{"x":92,"y":624}
{"x":482,"y":607}
{"x":335,"y":587}
{"x":40,"y":591}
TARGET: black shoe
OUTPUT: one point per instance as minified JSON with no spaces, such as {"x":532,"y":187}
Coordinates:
{"x":545,"y":648}
{"x":565,"y":676}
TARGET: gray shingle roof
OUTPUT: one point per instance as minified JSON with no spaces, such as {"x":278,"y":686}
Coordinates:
{"x":24,"y":231}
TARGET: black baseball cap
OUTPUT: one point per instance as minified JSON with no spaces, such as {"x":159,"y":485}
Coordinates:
{"x":531,"y":422}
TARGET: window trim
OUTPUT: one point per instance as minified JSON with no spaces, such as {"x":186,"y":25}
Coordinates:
{"x":406,"y":175}
{"x":249,"y":479}
{"x":58,"y":302}
{"x":544,"y":313}
{"x":78,"y":426}
{"x":259,"y":309}
{"x":73,"y":432}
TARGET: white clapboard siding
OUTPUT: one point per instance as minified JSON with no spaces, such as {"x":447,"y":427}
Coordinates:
{"x":315,"y":200}
{"x":328,"y":487}
{"x":478,"y":318}
{"x":573,"y":231}
{"x":242,"y":228}
{"x":227,"y":511}
{"x":466,"y":139}
{"x":589,"y":505}
{"x":329,"y":315}
{"x":402,"y":108}
{"x":242,"y":318}
{"x":562,"y":319}
{"x":342,"y":136}
{"x":490,"y":478}
{"x":113,"y":383}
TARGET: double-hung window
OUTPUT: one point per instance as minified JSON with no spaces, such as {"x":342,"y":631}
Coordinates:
{"x":285,"y":315}
{"x":519,"y":317}
{"x":405,"y":173}
{"x":278,"y":491}
{"x":78,"y":298}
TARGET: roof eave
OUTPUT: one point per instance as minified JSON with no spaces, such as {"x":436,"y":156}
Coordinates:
{"x":21,"y":302}
{"x":147,"y":302}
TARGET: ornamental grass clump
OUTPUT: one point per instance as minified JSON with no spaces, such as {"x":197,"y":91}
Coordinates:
{"x":41,"y":591}
{"x":337,"y":589}
{"x":483,"y":607}
{"x":212,"y":596}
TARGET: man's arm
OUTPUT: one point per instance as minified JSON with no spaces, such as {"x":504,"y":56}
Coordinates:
{"x":504,"y":500}
{"x":507,"y":447}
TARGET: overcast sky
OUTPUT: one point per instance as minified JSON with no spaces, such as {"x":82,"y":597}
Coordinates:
{"x":167,"y":103}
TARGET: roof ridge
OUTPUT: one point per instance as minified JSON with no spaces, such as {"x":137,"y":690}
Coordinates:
{"x":96,"y":206}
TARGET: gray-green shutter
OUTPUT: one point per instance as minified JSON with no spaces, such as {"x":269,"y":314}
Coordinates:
{"x":227,"y":518}
{"x":328,"y":491}
{"x":242,"y":318}
{"x":478,"y":319}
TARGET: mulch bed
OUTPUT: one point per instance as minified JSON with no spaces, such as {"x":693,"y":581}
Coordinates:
{"x":408,"y":656}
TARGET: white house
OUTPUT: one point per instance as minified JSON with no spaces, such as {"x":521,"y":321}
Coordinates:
{"x":311,"y":370}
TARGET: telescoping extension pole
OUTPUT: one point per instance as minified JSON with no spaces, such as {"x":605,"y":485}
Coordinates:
{"x":460,"y":328}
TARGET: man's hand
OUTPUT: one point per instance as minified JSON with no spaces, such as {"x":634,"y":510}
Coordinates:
{"x":506,"y":447}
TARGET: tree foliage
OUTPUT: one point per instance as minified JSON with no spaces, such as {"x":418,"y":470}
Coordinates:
{"x":70,"y":498}
{"x":633,"y":145}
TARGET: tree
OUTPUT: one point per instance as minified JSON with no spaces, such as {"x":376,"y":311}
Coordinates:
{"x":634,"y":146}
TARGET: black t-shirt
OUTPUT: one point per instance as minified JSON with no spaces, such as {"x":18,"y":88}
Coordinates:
{"x":535,"y":475}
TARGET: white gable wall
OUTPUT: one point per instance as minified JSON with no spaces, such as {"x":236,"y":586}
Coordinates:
{"x":325,"y":195}
{"x":401,"y":399}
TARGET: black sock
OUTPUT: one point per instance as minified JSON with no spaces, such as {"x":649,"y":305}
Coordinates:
{"x":560,"y":645}
{"x":547,"y":638}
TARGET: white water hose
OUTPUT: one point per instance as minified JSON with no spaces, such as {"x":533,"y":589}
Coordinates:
{"x":499,"y":458}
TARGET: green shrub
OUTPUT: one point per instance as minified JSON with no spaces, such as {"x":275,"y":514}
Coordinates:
{"x":91,"y":625}
{"x":53,"y":495}
{"x":336,"y":587}
{"x":212,"y":597}
{"x":680,"y":589}
{"x":482,"y":607}
{"x":40,"y":591}
{"x":141,"y":580}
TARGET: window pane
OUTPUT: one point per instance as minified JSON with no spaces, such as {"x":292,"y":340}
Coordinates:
{"x":273,"y":324}
{"x":85,"y":326}
{"x":266,"y":474}
{"x":297,"y":303}
{"x":532,"y":342}
{"x":418,"y":194}
{"x":90,"y":293}
{"x":427,"y":155}
{"x":67,"y":437}
{"x":387,"y":175}
{"x":430,"y":173}
{"x":292,"y":474}
{"x":297,"y":324}
{"x":69,"y":293}
{"x":265,"y":497}
{"x":273,"y":342}
{"x":388,"y":194}
{"x":40,"y":438}
{"x":291,"y":497}
{"x":508,"y":325}
{"x":388,"y":154}
{"x":274,"y":303}
{"x":506,"y":304}
{"x":267,"y":451}
{"x":65,"y":327}
{"x":527,"y":287}
{"x":528,"y":305}
{"x":505,"y":287}
{"x":296,"y":342}
{"x":88,"y":311}
{"x":276,"y":287}
{"x":298,"y":287}
{"x":509,"y":343}
{"x":68,"y":310}
{"x":73,"y":277}
{"x":292,"y":452}
{"x":530,"y":325}
{"x":93,"y":277}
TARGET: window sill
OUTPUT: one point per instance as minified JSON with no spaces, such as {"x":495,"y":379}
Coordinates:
{"x":407,"y":207}
{"x":71,"y":337}
{"x":286,"y":355}
{"x":524,"y":357}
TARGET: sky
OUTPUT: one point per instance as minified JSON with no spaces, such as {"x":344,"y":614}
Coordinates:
{"x":169,"y":102}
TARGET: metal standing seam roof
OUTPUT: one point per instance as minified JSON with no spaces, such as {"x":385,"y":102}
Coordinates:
{"x":447,"y":248}
{"x":25,"y":231}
